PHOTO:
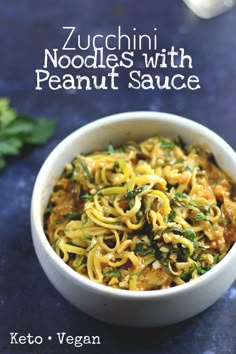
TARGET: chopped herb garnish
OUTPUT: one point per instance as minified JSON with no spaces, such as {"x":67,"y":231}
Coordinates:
{"x":82,"y":262}
{"x":186,"y":276}
{"x":55,"y":243}
{"x":110,"y":149}
{"x":85,"y":168}
{"x":172,"y":216}
{"x":86,"y":238}
{"x":200,"y":271}
{"x":207,"y":209}
{"x":190,"y":168}
{"x":181,"y":195}
{"x":142,"y":249}
{"x":116,"y":166}
{"x":91,"y":248}
{"x":164,"y":144}
{"x":213,"y":225}
{"x":132,"y":194}
{"x":116,"y":273}
{"x":189,"y":233}
{"x":113,"y":150}
{"x":216,"y":258}
{"x":108,"y":272}
{"x":200,"y":216}
{"x":84,"y":222}
{"x":86,"y":196}
{"x":50,"y":209}
{"x":72,"y":215}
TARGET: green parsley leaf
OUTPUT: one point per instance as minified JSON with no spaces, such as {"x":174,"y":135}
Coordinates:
{"x":17,"y":129}
{"x":10,"y":146}
{"x":7,"y":114}
{"x":43,"y":130}
{"x":2,"y":163}
{"x":21,"y":125}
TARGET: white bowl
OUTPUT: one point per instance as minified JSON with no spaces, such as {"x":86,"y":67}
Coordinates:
{"x":123,"y":307}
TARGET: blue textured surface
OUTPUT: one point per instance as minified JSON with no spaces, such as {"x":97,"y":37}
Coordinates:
{"x":28,"y":302}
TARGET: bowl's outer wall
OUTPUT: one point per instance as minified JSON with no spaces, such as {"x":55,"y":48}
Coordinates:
{"x":154,"y":311}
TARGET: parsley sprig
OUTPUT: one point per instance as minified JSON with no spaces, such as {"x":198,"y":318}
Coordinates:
{"x":17,"y":130}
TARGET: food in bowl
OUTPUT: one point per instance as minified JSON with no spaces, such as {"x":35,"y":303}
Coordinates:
{"x":115,"y":305}
{"x":147,"y":215}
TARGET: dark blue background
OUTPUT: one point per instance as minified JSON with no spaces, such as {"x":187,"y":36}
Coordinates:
{"x":28,"y":302}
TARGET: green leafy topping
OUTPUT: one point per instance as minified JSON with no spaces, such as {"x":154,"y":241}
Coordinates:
{"x":180,"y":195}
{"x":72,"y":215}
{"x":17,"y":129}
{"x":189,"y":233}
{"x":172,"y":216}
{"x":116,"y":273}
{"x":200,"y":270}
{"x":111,"y":149}
{"x":55,"y":243}
{"x":86,"y":238}
{"x":190,"y":168}
{"x":91,"y":248}
{"x":200,"y":216}
{"x":82,"y":262}
{"x":142,"y":249}
{"x":84,"y":222}
{"x":85,"y":168}
{"x":50,"y":209}
{"x":132,"y":194}
{"x":10,"y":146}
{"x":86,"y":196}
{"x":214,"y":227}
{"x":164,"y":144}
{"x":108,"y":272}
{"x":42,"y":131}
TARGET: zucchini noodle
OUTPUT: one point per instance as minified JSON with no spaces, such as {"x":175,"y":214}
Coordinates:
{"x":145,"y":216}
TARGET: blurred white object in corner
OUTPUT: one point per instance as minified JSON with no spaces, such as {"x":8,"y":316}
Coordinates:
{"x":209,"y":8}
